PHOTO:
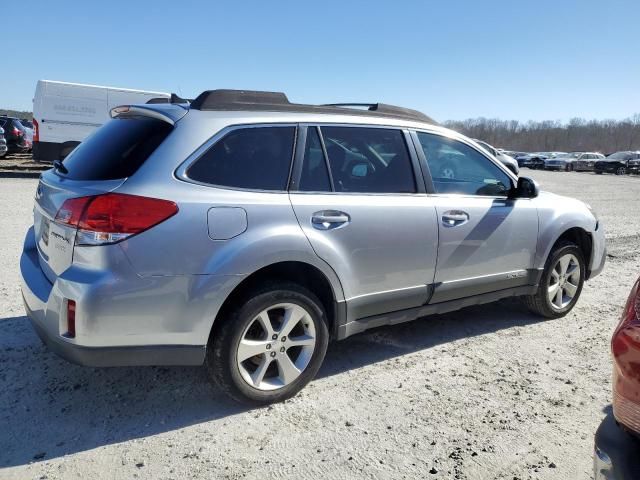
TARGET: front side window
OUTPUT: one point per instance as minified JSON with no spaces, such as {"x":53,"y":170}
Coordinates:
{"x":255,"y":158}
{"x":368,"y":160}
{"x":457,"y":168}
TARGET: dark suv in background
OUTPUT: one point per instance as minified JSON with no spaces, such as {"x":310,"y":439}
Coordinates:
{"x":15,"y":134}
{"x":617,"y":163}
{"x":3,"y":143}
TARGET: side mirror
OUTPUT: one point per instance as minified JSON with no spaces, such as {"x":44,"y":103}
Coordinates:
{"x":526,"y":188}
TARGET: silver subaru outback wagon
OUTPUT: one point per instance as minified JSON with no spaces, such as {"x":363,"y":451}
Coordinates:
{"x":244,"y":232}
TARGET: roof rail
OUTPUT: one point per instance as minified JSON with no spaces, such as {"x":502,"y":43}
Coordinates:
{"x":247,"y":100}
{"x":384,"y":108}
{"x":214,"y":99}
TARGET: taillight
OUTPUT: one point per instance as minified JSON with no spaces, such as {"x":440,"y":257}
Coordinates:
{"x":16,"y":132}
{"x":36,"y":131}
{"x":71,"y":319}
{"x":112,"y":217}
{"x":625,"y":347}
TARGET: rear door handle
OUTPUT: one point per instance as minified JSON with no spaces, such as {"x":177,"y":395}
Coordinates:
{"x":453,"y":218}
{"x":329,"y":219}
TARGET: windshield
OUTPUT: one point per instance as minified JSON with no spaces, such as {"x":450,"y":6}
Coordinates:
{"x":620,"y":156}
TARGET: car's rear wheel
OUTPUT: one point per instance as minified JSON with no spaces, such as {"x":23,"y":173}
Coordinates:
{"x":269,"y":345}
{"x":598,"y":172}
{"x":561,"y":282}
{"x":569,"y":167}
{"x":621,"y":171}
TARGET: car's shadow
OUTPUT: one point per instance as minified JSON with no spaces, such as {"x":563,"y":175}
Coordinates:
{"x":50,"y":408}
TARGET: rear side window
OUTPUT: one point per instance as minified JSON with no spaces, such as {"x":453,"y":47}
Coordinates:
{"x":257,"y":158}
{"x":117,"y":149}
{"x":368,"y":160}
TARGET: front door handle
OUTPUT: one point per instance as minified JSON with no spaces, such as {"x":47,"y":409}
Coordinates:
{"x":329,"y":219}
{"x":453,"y":218}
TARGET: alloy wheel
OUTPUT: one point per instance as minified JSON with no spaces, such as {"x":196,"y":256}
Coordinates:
{"x":564,"y":281}
{"x":276,"y":347}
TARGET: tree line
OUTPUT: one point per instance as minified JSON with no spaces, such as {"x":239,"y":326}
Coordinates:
{"x":16,"y":113}
{"x":578,"y":135}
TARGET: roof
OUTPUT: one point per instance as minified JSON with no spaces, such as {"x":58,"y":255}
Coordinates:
{"x":249,"y":100}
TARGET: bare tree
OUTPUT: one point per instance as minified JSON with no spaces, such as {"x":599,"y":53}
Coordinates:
{"x":576,"y":135}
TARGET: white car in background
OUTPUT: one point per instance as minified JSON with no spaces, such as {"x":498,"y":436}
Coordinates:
{"x":505,"y":159}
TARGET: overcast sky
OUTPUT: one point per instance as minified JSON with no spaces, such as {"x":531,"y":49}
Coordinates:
{"x":451,"y":59}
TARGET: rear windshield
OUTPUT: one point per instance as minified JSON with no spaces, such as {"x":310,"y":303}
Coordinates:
{"x":117,"y":149}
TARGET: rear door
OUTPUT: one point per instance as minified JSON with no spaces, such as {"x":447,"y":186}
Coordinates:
{"x":487,"y":241}
{"x":357,"y":199}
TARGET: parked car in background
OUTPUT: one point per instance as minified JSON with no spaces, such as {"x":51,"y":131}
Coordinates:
{"x":15,"y":134}
{"x":567,"y":161}
{"x":617,"y":441}
{"x":28,"y":135}
{"x":536,"y":160}
{"x":3,"y":143}
{"x":505,"y":159}
{"x":617,"y":163}
{"x":272,"y":207}
{"x":587,"y":161}
{"x":633,"y":166}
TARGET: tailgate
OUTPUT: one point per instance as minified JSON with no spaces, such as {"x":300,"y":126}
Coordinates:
{"x":56,"y":241}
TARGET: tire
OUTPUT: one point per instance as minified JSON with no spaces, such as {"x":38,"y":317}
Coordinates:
{"x":541,"y":303}
{"x":598,"y":172}
{"x":569,"y":167}
{"x":244,"y":321}
{"x":621,"y":171}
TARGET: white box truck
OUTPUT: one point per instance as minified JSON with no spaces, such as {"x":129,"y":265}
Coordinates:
{"x":64,"y":114}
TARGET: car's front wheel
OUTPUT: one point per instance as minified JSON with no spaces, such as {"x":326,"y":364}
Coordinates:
{"x":561,"y":282}
{"x":621,"y":171}
{"x":269,"y":345}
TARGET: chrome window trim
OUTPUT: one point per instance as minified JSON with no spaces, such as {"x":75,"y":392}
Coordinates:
{"x":180,"y":173}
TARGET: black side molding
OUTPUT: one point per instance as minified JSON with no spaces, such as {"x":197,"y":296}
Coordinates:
{"x":410,"y":314}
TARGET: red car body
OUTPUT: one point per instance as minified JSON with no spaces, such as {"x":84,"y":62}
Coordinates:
{"x":617,"y":441}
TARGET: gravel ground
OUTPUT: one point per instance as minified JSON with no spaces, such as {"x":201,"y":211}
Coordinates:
{"x":487,"y":392}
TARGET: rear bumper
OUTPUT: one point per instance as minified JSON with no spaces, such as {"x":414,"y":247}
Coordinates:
{"x":45,"y":305}
{"x":616,"y":453}
{"x":114,"y":356}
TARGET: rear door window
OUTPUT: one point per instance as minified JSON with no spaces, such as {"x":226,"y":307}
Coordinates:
{"x":368,"y":160}
{"x":255,"y":158}
{"x":117,"y":149}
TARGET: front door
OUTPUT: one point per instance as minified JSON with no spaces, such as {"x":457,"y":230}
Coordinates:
{"x":487,"y":242}
{"x":358,"y":202}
